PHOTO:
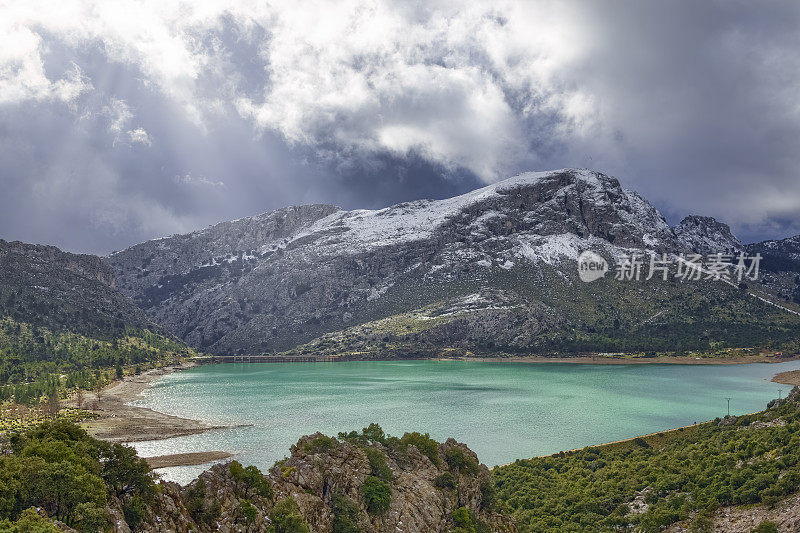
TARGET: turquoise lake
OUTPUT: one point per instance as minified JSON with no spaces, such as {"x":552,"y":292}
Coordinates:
{"x":503,"y":411}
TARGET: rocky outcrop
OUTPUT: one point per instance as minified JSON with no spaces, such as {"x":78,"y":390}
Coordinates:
{"x":780,"y":266}
{"x":327,"y":478}
{"x":706,"y":235}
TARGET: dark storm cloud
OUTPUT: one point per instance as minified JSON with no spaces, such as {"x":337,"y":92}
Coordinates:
{"x":111,"y":134}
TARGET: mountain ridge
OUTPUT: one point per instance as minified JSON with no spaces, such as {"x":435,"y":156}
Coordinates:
{"x":281,"y":279}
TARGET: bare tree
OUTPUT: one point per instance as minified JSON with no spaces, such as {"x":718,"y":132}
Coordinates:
{"x":98,"y":388}
{"x":53,"y":406}
{"x":79,"y":398}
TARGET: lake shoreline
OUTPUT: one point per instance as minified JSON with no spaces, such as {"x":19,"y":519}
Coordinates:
{"x":118,"y":421}
{"x":792,"y":377}
{"x":186,"y":459}
{"x":625,"y":360}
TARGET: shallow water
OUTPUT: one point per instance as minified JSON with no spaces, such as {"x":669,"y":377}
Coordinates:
{"x":503,"y":411}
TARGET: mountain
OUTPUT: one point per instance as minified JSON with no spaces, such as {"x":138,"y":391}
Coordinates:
{"x":705,"y":235}
{"x":60,"y":313}
{"x":45,"y":286}
{"x":490,"y":270}
{"x":780,"y":265}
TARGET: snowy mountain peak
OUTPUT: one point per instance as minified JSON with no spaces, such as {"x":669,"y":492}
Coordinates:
{"x":576,"y":202}
{"x":706,"y":235}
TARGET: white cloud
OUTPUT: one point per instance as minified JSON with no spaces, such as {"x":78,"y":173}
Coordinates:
{"x":455,"y":84}
{"x":676,"y":98}
{"x":119,"y":114}
{"x":199,"y":181}
{"x":140,"y":136}
{"x":22,"y":73}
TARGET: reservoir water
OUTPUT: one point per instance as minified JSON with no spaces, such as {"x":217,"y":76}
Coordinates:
{"x":503,"y":411}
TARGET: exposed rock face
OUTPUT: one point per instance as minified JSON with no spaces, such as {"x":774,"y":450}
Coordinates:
{"x":315,"y":475}
{"x":43,"y":285}
{"x":705,"y":235}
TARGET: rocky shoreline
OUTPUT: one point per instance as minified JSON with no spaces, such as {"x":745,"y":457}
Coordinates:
{"x":592,"y":359}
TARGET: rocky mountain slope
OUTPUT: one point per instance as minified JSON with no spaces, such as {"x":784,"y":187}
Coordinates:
{"x":44,"y":286}
{"x":705,"y":235}
{"x":781,"y":266}
{"x":277,"y":281}
{"x":64,"y":324}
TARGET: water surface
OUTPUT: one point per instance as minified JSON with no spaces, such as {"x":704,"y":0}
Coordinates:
{"x":503,"y":411}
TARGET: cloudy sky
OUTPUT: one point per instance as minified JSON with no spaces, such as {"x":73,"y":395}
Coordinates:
{"x":124,"y":121}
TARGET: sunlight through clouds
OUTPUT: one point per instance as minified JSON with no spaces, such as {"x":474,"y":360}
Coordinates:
{"x":373,"y":102}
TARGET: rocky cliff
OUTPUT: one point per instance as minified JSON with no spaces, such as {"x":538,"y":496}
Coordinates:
{"x":780,"y":266}
{"x":705,"y":235}
{"x":326,"y":484}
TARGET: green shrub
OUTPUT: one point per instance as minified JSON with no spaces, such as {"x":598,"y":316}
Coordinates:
{"x":254,"y":481}
{"x":377,"y":463}
{"x":459,"y":460}
{"x":424,"y":443}
{"x":201,"y":509}
{"x":766,"y":527}
{"x":29,"y":522}
{"x":377,"y":495}
{"x":345,"y":514}
{"x":286,"y":518}
{"x":466,"y":522}
{"x":695,"y":470}
{"x":248,"y":512}
{"x":462,"y":517}
{"x":488,"y":494}
{"x":369,"y":435}
{"x":445,"y":481}
{"x":320,"y":443}
{"x":134,"y":511}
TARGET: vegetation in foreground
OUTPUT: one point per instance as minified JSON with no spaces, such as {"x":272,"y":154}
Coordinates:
{"x":56,"y":472}
{"x":70,"y":477}
{"x":651,"y":482}
{"x":57,"y":475}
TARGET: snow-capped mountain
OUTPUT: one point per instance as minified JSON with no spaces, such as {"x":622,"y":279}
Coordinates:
{"x":705,"y":235}
{"x":280,"y":279}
